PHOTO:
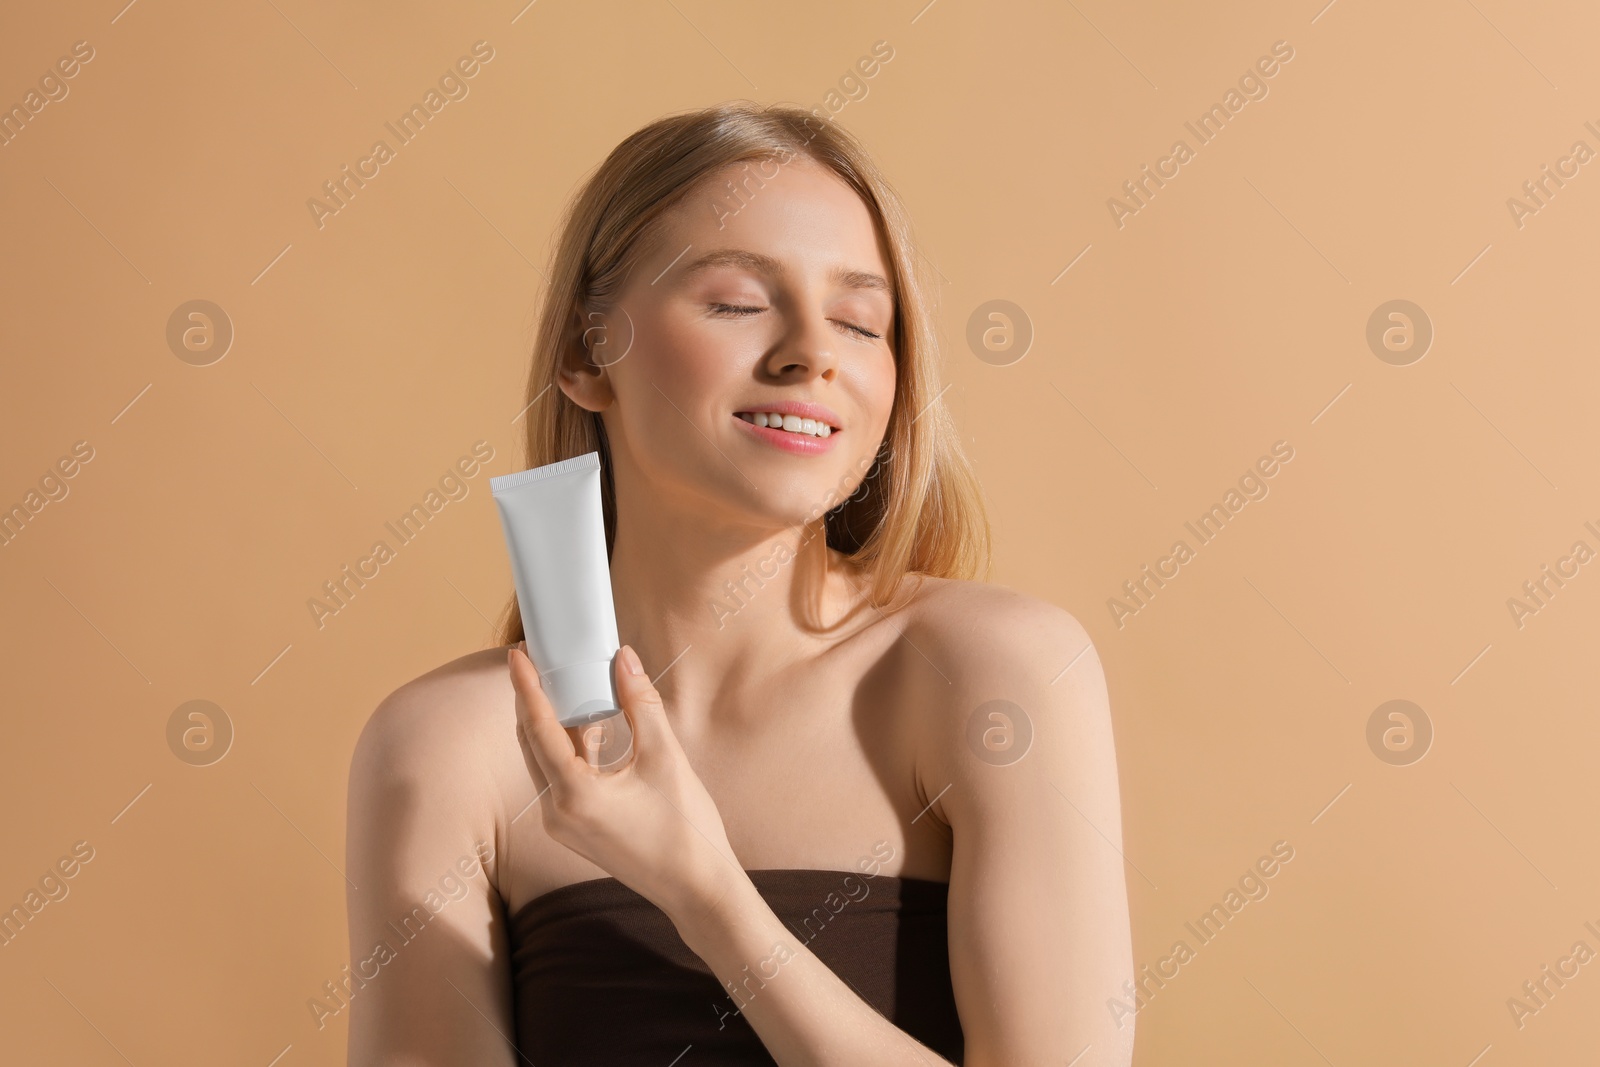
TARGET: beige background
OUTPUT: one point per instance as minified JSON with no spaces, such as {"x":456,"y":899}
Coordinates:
{"x":1229,"y":313}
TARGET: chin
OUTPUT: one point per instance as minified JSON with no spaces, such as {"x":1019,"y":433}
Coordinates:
{"x":784,"y":503}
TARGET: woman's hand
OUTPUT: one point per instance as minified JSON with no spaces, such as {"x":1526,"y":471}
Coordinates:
{"x":648,"y":821}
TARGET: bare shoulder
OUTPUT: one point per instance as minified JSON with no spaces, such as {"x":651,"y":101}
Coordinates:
{"x":1003,"y":679}
{"x":440,"y":742}
{"x":448,"y":705}
{"x":987,"y":636}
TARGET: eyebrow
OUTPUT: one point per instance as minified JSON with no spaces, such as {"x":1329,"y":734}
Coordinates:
{"x":764,"y":264}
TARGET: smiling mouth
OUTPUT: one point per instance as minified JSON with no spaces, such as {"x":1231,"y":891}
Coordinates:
{"x":790,"y":423}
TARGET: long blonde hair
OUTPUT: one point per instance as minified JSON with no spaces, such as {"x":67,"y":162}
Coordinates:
{"x":919,"y":510}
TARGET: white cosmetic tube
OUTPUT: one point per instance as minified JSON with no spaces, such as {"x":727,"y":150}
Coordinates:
{"x":555,"y":534}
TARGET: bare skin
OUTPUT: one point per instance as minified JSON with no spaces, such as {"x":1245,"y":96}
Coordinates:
{"x":783,"y":745}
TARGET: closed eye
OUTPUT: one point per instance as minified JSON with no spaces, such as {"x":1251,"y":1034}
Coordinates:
{"x":736,"y":308}
{"x":742,"y":310}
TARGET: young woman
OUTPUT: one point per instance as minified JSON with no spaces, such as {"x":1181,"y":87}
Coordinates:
{"x":860,"y":809}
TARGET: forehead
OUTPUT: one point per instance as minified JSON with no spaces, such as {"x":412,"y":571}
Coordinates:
{"x":796,"y":220}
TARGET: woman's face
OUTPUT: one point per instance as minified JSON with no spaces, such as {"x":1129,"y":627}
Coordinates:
{"x":774,"y":299}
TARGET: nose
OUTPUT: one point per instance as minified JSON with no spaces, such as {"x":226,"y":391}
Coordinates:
{"x":806,"y":350}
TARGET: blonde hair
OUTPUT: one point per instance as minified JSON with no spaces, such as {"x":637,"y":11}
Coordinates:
{"x":919,"y":510}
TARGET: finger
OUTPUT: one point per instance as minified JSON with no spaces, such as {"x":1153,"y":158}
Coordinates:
{"x":549,"y":742}
{"x":647,"y":713}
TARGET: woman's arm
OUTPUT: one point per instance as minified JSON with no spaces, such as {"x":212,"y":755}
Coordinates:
{"x":428,"y":976}
{"x":1039,"y":926}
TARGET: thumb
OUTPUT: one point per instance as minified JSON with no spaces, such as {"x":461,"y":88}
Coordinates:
{"x":647,"y":713}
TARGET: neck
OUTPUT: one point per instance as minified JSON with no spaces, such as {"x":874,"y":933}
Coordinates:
{"x":724,"y":605}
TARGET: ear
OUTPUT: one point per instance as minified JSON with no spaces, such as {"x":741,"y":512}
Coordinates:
{"x":581,"y":375}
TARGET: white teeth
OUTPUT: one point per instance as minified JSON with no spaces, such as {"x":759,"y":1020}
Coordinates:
{"x":791,"y":423}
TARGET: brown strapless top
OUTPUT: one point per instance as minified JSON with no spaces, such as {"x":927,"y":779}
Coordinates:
{"x":600,"y":975}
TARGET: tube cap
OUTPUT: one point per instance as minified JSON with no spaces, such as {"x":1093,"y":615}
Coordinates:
{"x":581,"y":692}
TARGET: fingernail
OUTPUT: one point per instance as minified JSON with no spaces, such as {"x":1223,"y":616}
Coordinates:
{"x":522,"y":646}
{"x":630,"y":660}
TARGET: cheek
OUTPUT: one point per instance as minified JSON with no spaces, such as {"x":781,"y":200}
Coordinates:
{"x":699,"y":368}
{"x":877,"y":391}
{"x":691,"y":366}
